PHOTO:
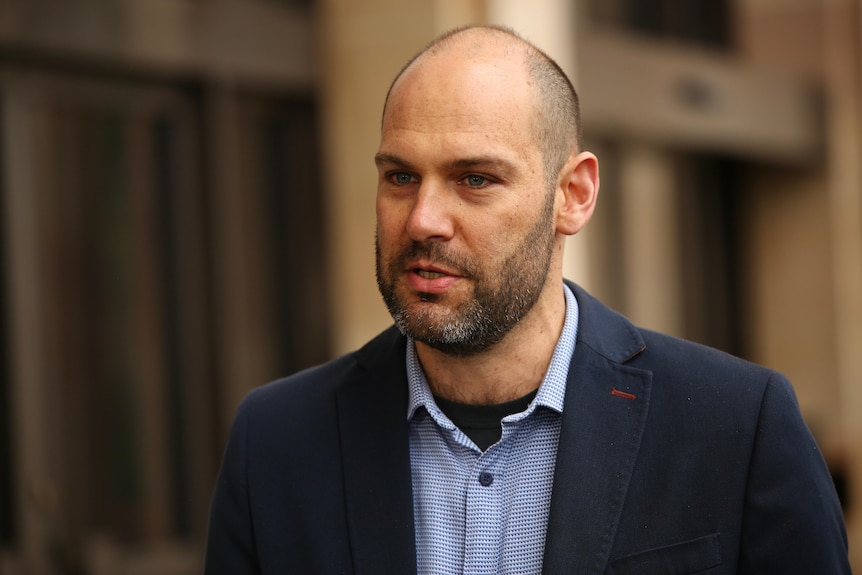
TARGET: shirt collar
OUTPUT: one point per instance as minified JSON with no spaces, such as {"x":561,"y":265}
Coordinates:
{"x":551,"y":392}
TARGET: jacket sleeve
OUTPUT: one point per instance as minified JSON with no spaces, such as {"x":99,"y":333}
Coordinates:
{"x":230,"y":548}
{"x":792,"y":524}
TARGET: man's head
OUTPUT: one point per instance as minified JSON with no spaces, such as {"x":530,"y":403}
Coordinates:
{"x":480,"y":179}
{"x":557,"y":107}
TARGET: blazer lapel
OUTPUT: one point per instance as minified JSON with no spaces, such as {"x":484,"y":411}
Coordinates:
{"x":603,"y":420}
{"x":372,"y":411}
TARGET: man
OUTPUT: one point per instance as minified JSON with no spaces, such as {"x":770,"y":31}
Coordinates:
{"x":511,"y":423}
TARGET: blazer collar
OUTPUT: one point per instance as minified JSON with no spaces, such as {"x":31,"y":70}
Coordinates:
{"x":603,"y":421}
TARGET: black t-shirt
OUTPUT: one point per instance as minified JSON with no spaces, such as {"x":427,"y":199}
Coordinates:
{"x":482,"y":423}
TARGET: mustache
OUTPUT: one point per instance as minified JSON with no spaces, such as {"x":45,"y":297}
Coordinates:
{"x":438,"y":254}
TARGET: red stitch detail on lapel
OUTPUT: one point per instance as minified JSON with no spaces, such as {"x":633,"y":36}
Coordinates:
{"x":623,"y":394}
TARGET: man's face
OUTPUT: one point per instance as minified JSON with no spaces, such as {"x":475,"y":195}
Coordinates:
{"x":465,"y":217}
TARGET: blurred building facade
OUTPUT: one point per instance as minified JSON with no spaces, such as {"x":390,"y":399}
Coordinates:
{"x":188,"y":211}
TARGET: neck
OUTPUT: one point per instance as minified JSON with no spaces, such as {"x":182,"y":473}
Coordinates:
{"x":510,"y":369}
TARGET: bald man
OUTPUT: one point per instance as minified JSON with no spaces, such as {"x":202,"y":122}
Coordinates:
{"x":508,"y":422}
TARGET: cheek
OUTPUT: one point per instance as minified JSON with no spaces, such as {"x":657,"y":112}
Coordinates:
{"x":392,"y":237}
{"x":389,"y":220}
{"x":490,"y":240}
{"x":510,"y":224}
{"x":507,"y":232}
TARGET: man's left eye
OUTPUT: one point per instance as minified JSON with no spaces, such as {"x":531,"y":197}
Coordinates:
{"x":475,"y":181}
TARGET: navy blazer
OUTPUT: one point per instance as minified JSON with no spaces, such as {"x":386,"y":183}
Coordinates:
{"x":673,"y":459}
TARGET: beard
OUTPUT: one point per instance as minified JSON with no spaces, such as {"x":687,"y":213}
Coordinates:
{"x":500,"y":297}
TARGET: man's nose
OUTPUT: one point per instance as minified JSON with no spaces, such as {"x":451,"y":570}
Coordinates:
{"x":431,"y":216}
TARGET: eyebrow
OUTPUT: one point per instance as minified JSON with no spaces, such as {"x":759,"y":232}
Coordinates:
{"x":495,"y":162}
{"x":382,"y":158}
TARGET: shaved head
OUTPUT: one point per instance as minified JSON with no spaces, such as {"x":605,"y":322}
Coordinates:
{"x":556,"y":113}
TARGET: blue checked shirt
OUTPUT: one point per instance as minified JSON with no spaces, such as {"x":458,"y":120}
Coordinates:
{"x":482,"y":513}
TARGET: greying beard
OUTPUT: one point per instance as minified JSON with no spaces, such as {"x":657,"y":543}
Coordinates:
{"x":475,"y":329}
{"x":494,"y":308}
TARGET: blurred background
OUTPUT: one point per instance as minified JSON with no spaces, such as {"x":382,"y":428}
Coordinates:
{"x":187,"y":212}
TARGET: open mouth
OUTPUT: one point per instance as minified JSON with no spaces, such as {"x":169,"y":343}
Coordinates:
{"x":430,"y":275}
{"x":430,"y":279}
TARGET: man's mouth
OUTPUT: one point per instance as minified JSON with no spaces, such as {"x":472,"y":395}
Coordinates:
{"x":430,"y":275}
{"x":430,"y":279}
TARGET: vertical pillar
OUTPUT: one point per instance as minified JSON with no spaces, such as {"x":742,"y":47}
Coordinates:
{"x":229,"y":269}
{"x":30,"y":394}
{"x":650,"y":244}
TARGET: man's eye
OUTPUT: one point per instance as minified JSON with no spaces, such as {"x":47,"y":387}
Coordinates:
{"x":401,"y":178}
{"x":475,"y":181}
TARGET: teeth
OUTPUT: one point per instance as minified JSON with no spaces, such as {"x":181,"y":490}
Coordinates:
{"x":430,"y":275}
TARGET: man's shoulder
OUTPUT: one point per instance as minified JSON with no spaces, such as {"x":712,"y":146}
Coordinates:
{"x":677,"y":352}
{"x":708,"y":384}
{"x":606,"y":329}
{"x":672,"y":361}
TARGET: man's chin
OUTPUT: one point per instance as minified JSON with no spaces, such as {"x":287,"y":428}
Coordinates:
{"x":428,"y":297}
{"x":429,"y":317}
{"x":454,"y":347}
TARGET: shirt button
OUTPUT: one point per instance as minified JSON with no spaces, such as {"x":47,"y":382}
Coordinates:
{"x":486,"y":479}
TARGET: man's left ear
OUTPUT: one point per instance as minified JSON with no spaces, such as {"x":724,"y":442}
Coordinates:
{"x":577,"y":190}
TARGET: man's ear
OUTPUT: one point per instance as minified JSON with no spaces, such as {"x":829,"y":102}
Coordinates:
{"x":577,"y":190}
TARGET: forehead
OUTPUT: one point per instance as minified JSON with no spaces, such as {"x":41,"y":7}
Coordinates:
{"x":454,"y":91}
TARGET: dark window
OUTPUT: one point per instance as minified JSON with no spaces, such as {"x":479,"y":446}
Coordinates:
{"x":292,"y":200}
{"x":703,"y":22}
{"x":712,"y":261}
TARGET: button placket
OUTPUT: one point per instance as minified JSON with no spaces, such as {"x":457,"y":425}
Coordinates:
{"x":483,"y":516}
